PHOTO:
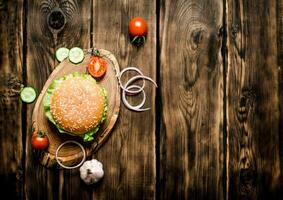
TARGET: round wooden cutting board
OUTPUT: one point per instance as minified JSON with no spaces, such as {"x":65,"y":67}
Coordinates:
{"x":71,"y":154}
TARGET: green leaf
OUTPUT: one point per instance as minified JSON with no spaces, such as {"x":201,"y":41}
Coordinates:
{"x":88,"y":137}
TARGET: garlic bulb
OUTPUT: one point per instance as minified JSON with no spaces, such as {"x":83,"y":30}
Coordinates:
{"x":91,"y":171}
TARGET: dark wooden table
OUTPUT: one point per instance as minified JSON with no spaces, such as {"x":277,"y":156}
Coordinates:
{"x":215,"y":127}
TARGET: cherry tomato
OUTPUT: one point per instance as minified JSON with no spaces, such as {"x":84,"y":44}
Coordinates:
{"x":39,"y":140}
{"x":137,"y":27}
{"x":97,"y":66}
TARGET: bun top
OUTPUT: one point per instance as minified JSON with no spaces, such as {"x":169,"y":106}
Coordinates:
{"x":77,"y":105}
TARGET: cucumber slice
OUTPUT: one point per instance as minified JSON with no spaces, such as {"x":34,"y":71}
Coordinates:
{"x":28,"y":94}
{"x":62,"y":53}
{"x":76,"y":55}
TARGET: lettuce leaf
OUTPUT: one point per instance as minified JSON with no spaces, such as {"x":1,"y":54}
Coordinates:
{"x":89,"y":136}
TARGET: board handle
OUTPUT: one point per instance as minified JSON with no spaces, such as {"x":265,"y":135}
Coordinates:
{"x":34,"y":128}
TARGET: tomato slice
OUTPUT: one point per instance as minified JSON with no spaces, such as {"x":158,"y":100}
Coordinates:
{"x":97,"y":66}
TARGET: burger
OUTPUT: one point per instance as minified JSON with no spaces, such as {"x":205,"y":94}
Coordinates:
{"x":76,"y":105}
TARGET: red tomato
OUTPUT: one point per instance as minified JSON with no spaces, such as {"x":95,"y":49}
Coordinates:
{"x":97,"y":66}
{"x":39,"y":140}
{"x":137,"y":27}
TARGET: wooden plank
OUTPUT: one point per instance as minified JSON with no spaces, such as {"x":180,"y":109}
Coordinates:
{"x":129,"y":155}
{"x":191,"y":75}
{"x":253,"y":101}
{"x":280,"y":65}
{"x":50,"y":25}
{"x":11,"y":64}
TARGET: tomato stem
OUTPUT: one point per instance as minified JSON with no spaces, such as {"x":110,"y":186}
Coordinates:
{"x":138,"y":40}
{"x":95,"y":52}
{"x":41,"y":133}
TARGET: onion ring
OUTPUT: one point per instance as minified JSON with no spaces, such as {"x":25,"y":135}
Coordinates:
{"x":67,"y":142}
{"x":124,"y":88}
{"x":125,"y":101}
{"x":140,"y":77}
{"x":137,"y":107}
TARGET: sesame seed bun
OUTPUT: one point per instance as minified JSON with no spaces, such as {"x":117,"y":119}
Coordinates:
{"x":77,"y":105}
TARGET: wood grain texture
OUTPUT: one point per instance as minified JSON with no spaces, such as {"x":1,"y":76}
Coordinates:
{"x":191,"y":75}
{"x":253,"y":101}
{"x":187,"y":157}
{"x":51,"y":24}
{"x":280,"y":66}
{"x":71,"y":155}
{"x":11,"y":63}
{"x":129,"y":156}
